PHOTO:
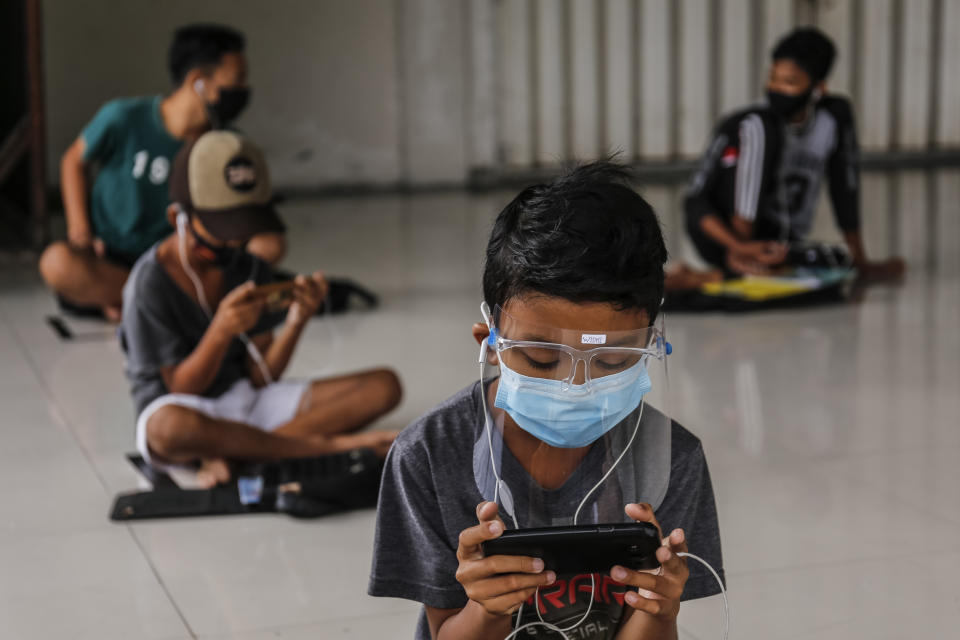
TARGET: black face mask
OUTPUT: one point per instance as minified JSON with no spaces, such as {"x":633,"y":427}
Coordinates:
{"x":788,"y":106}
{"x":223,"y":256}
{"x":229,"y":105}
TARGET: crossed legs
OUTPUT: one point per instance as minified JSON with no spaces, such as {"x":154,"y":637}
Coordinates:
{"x":84,"y":278}
{"x":331,"y":411}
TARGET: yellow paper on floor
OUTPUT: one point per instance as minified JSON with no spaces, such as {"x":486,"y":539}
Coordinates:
{"x":761,"y":287}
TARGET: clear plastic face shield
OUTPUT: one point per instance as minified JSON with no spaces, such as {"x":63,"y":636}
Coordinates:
{"x":576,"y":424}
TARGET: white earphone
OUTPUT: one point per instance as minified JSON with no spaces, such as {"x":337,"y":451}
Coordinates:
{"x":198,"y":87}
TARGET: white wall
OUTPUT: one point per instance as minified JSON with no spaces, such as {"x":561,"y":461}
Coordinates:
{"x":418,"y":92}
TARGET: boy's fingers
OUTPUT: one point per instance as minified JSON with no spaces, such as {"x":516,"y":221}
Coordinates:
{"x":642,"y":512}
{"x":303,"y":297}
{"x":473,"y":537}
{"x":672,"y":564}
{"x":673,"y":544}
{"x":638,"y":602}
{"x":253,"y":305}
{"x":508,"y":603}
{"x":676,"y":541}
{"x":491,"y":588}
{"x":668,"y":585}
{"x":494,"y":565}
{"x":646,"y":581}
{"x":487,"y":511}
{"x":241,"y":292}
{"x":301,"y":284}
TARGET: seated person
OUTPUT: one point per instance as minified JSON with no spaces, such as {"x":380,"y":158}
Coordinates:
{"x":758,"y":184}
{"x":203,"y":362}
{"x":583,"y":252}
{"x":130,"y":143}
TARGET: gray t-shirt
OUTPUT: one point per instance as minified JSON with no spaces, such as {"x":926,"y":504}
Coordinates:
{"x":162,"y":325}
{"x":429,"y":495}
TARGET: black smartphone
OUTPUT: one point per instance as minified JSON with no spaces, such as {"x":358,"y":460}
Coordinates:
{"x":590,"y":548}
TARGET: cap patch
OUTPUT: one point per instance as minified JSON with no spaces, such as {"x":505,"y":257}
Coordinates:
{"x":240,"y":174}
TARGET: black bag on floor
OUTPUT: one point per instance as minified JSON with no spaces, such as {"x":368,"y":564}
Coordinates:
{"x":302,"y":488}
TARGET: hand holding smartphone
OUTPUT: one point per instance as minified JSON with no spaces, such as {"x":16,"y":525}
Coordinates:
{"x":277,"y":296}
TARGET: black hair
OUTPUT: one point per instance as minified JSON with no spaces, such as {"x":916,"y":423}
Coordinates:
{"x":198,"y":46}
{"x":813,"y":51}
{"x":585,"y":237}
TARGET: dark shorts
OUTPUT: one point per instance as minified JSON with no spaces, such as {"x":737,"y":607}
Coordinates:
{"x":715,"y":253}
{"x":125,"y":260}
{"x":712,"y":252}
{"x":118,"y":258}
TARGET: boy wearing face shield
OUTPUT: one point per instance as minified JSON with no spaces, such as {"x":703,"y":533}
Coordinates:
{"x":130,"y":143}
{"x":757,"y":187}
{"x":572,"y":286}
{"x":204,"y":353}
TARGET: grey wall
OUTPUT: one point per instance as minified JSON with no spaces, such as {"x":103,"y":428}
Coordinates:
{"x":650,"y":77}
{"x":389,"y":92}
{"x":325,"y":76}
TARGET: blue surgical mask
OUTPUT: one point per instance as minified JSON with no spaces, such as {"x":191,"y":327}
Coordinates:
{"x":569,"y":415}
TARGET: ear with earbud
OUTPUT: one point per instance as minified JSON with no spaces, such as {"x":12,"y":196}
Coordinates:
{"x":198,"y":87}
{"x":486,"y":338}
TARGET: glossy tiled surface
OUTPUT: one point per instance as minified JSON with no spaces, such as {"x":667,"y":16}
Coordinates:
{"x":833,"y":437}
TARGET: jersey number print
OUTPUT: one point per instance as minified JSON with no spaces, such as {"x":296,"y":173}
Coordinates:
{"x":159,"y":168}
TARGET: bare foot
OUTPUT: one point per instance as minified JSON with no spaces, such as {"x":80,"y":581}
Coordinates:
{"x":683,"y":277}
{"x":212,"y":472}
{"x":112,"y":314}
{"x":888,"y":270}
{"x":379,"y":440}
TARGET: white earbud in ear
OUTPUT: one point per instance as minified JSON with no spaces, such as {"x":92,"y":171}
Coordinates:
{"x":198,"y":86}
{"x":182,"y":219}
{"x":485,"y":312}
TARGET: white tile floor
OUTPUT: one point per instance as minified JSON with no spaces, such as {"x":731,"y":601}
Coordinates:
{"x":833,"y":437}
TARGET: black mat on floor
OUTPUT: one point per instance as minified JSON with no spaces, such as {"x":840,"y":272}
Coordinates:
{"x":302,"y":488}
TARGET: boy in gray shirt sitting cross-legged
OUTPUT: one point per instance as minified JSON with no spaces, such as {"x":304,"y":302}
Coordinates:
{"x":204,"y":350}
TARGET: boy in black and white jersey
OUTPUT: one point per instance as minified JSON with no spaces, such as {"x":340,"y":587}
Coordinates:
{"x":757,"y":186}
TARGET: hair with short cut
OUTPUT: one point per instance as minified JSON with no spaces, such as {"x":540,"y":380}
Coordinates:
{"x":587,"y":236}
{"x":810,"y":49}
{"x":200,"y":46}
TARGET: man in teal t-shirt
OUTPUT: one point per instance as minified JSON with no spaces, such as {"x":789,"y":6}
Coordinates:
{"x":130,"y":144}
{"x":132,"y":149}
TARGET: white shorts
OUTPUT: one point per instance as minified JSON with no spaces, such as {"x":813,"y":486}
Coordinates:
{"x":265,"y":408}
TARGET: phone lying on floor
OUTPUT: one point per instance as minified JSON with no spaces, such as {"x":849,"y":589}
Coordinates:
{"x":276,"y":295}
{"x":589,"y":548}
